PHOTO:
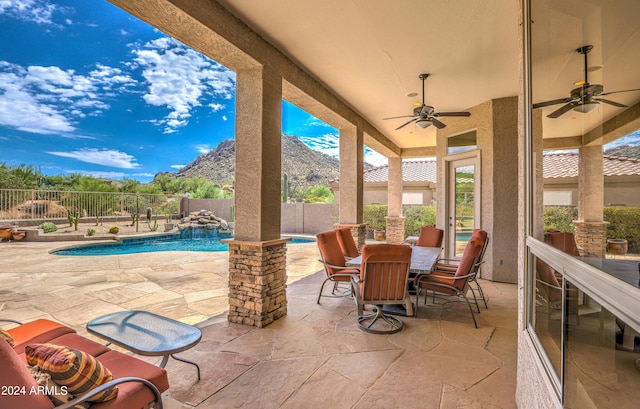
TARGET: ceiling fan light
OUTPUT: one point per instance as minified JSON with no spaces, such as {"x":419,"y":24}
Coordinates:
{"x":586,"y":107}
{"x":423,"y":123}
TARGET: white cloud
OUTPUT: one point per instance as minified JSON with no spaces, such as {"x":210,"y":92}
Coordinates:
{"x":179,"y":78}
{"x":203,"y":148}
{"x":224,"y":117}
{"x":105,"y":157}
{"x":177,"y":166}
{"x":216,"y":107}
{"x":330,"y":144}
{"x":49,"y":100}
{"x":374,"y":158}
{"x":108,"y":175}
{"x":37,"y":11}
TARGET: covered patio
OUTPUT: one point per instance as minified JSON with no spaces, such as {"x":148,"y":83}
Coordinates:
{"x":315,"y":356}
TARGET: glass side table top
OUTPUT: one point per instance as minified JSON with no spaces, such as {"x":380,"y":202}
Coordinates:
{"x":145,"y":333}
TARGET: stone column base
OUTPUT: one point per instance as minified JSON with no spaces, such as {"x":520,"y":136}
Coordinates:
{"x":395,"y":229}
{"x":591,"y":237}
{"x":358,"y":231}
{"x":257,"y":281}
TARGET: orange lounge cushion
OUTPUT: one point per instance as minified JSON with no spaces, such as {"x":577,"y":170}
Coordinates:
{"x":135,"y":394}
{"x":19,"y":382}
{"x":4,"y":334}
{"x":75,"y":369}
{"x":37,"y":332}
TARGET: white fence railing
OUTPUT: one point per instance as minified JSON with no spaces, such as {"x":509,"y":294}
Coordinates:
{"x":52,"y":204}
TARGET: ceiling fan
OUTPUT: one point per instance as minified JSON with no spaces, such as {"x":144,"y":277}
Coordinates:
{"x":425,"y":115}
{"x":584,"y":98}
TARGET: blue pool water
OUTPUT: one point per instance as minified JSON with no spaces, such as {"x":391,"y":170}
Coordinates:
{"x":158,"y":243}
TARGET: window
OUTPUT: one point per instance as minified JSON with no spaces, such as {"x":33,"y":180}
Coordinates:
{"x":462,"y":142}
{"x":583,"y":271}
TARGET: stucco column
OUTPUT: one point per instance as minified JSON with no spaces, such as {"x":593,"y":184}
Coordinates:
{"x":591,"y":230}
{"x":257,"y":255}
{"x":351,"y":184}
{"x":394,"y":219}
{"x":258,"y":155}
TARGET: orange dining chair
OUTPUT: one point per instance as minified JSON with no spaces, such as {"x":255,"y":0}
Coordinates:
{"x":444,"y":283}
{"x":333,"y":260}
{"x":347,"y":243}
{"x":383,"y":280}
{"x":450,"y":266}
{"x":430,"y":236}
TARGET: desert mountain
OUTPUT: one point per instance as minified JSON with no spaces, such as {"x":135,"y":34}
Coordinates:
{"x":303,"y":166}
{"x":626,"y":151}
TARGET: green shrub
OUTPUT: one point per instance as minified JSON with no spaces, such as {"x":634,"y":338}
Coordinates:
{"x":624,"y":223}
{"x":560,"y":218}
{"x":48,"y":227}
{"x":373,"y":216}
{"x":91,"y":232}
{"x":114,"y":230}
{"x":416,"y":217}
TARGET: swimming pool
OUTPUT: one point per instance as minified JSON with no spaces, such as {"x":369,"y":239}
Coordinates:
{"x":158,"y":243}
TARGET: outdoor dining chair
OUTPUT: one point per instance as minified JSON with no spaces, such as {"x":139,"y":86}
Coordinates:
{"x":334,"y":262}
{"x":382,"y":281}
{"x":457,"y":284}
{"x":347,"y":243}
{"x":451,"y":265}
{"x":430,"y":236}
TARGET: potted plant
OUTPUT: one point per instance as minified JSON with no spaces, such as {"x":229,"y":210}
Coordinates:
{"x":168,"y":225}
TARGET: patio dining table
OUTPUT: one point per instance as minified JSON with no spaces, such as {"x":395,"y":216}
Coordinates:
{"x":422,"y":259}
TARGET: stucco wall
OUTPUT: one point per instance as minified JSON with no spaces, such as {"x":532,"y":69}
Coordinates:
{"x":308,"y":218}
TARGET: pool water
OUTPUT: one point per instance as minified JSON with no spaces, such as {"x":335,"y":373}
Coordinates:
{"x":158,"y":243}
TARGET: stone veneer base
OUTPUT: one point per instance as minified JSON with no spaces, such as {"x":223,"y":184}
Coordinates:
{"x":395,"y":229}
{"x":257,"y":281}
{"x":591,"y":237}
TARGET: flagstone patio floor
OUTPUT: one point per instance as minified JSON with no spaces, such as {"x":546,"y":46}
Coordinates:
{"x":315,"y":357}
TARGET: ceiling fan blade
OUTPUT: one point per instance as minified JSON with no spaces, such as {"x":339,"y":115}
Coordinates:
{"x":552,"y":102}
{"x":560,"y":111}
{"x":614,"y":103}
{"x":437,"y":123}
{"x":617,"y":92}
{"x":401,"y":116}
{"x":406,"y":123}
{"x":452,"y":114}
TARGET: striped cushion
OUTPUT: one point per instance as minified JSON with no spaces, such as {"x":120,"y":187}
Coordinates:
{"x":77,"y":370}
{"x":4,"y":334}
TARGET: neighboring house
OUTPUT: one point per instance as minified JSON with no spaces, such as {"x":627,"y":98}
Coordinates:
{"x":418,"y":187}
{"x":621,"y":179}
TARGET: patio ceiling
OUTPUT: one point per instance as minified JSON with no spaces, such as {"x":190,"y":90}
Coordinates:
{"x":370,"y":52}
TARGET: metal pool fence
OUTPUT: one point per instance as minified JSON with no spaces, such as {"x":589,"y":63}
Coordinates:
{"x":53,"y":204}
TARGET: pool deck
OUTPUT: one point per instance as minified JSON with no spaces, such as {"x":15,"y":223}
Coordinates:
{"x":315,"y":357}
{"x":187,"y":286}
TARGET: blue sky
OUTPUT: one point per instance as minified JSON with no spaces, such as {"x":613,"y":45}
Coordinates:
{"x":87,"y":88}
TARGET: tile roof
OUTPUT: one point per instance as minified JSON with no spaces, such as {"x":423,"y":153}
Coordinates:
{"x":412,"y":171}
{"x":565,"y":165}
{"x":556,"y":165}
